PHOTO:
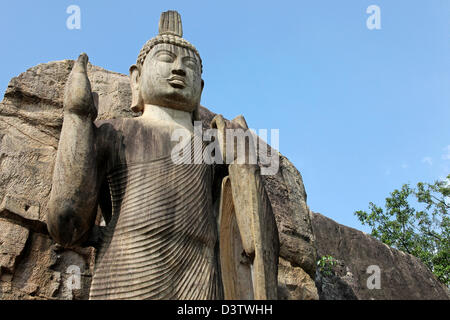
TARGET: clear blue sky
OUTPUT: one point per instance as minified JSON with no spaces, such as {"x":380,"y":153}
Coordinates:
{"x":360,"y":111}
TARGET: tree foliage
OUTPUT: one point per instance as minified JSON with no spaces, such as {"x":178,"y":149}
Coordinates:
{"x":326,"y":264}
{"x":422,"y":232}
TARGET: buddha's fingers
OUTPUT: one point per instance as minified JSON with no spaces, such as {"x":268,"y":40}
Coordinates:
{"x":218,"y":122}
{"x":78,"y":97}
{"x":240,"y":120}
{"x":80,"y":65}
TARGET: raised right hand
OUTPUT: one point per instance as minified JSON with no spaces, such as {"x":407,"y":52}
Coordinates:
{"x":78,"y":97}
{"x":222,"y":125}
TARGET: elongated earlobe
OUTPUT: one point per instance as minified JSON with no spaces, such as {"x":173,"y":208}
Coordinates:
{"x":137,"y":105}
{"x":196,"y":113}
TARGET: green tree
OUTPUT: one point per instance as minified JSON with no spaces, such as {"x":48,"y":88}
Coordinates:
{"x":423,"y":233}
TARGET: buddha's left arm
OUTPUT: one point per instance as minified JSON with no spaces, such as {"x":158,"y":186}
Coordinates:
{"x":255,"y":219}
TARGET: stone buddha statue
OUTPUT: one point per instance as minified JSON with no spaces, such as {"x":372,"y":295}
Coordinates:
{"x":173,"y":230}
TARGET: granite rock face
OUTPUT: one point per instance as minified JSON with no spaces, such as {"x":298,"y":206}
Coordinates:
{"x":32,"y":265}
{"x":402,"y":276}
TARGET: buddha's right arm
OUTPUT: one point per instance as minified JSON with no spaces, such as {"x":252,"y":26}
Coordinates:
{"x":75,"y":185}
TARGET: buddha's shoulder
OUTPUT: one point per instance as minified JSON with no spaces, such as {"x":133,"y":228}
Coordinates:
{"x":123,"y":125}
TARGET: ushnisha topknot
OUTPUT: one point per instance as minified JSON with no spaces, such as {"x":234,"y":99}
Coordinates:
{"x":171,"y":32}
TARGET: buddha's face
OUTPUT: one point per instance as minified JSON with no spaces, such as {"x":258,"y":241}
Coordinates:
{"x":171,"y":77}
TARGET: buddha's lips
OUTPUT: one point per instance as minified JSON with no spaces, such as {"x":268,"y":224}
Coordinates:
{"x":177,"y":82}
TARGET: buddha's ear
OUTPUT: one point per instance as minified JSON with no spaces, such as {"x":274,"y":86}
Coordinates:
{"x":196,"y":113}
{"x":136,"y":99}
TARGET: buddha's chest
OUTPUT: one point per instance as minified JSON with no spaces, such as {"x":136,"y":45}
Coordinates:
{"x":163,"y":195}
{"x":135,"y":143}
{"x":157,"y":181}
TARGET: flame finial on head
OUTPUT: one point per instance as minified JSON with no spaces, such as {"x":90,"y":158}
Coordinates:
{"x":171,"y":32}
{"x":170,"y":23}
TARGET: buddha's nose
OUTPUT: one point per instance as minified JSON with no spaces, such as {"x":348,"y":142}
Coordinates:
{"x":178,"y":68}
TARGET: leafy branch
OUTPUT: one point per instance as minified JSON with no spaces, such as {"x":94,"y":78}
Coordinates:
{"x":422,"y":233}
{"x":326,"y":264}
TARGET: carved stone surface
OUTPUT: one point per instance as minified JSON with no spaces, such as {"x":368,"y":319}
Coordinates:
{"x":161,"y":214}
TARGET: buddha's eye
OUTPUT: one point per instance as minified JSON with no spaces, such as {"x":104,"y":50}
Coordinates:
{"x":165,"y":57}
{"x":190,"y":63}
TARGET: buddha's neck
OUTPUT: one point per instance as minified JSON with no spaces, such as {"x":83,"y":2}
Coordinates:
{"x":158,"y":113}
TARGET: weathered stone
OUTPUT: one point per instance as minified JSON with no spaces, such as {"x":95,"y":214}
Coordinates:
{"x":12,"y":243}
{"x":337,"y":285}
{"x":68,"y":265}
{"x":403,"y":276}
{"x":294,"y":283}
{"x":288,"y":197}
{"x":42,"y":272}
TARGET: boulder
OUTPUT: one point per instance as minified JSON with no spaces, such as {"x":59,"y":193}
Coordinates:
{"x":359,"y":258}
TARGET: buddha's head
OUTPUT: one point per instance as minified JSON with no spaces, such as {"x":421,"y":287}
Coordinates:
{"x":168,"y":70}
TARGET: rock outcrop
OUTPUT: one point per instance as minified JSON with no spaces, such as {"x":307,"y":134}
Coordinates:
{"x":32,"y":266}
{"x":402,"y":276}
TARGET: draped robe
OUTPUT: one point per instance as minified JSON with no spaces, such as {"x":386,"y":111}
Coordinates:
{"x":161,"y":238}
